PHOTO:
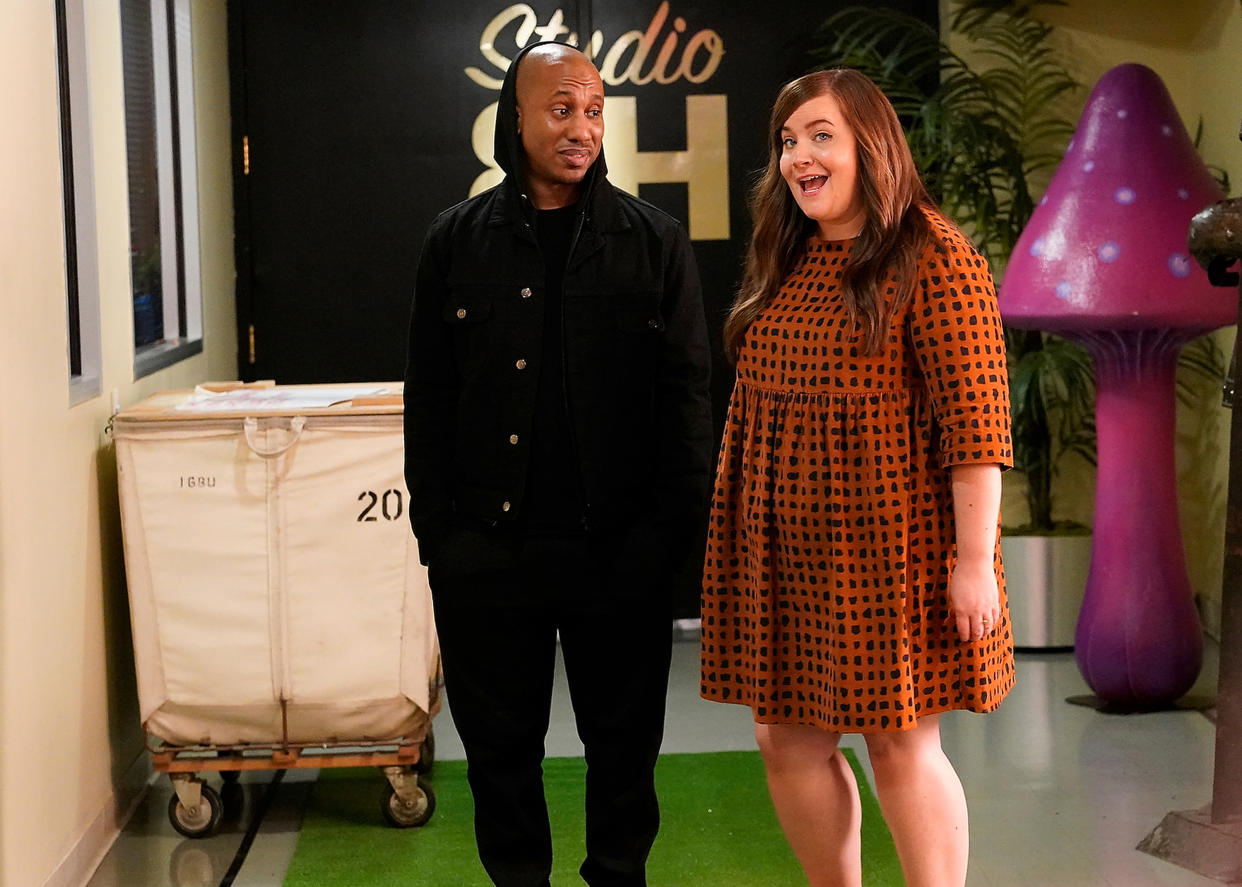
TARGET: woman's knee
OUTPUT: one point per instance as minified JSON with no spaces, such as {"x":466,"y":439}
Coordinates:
{"x":894,"y":748}
{"x":782,"y":745}
{"x":882,"y":748}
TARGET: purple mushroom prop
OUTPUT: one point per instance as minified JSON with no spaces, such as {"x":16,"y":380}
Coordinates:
{"x":1104,"y":262}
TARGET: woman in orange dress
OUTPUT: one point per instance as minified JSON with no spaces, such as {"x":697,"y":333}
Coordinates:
{"x":853,"y":582}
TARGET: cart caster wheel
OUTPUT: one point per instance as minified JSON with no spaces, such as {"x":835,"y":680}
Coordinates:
{"x":410,"y":815}
{"x":201,"y":821}
{"x":426,"y":753}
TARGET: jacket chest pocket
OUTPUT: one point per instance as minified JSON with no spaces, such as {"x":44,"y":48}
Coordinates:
{"x":640,"y":326}
{"x":640,"y":317}
{"x":612,"y":323}
{"x":468,"y":317}
{"x":631,"y":341}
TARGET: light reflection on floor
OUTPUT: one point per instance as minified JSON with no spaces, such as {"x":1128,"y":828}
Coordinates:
{"x":1059,"y":794}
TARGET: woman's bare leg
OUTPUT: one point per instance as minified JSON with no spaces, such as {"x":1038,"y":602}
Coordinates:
{"x":816,"y":801}
{"x":923,"y":804}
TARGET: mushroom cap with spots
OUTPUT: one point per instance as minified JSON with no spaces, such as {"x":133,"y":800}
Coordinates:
{"x":1106,"y":247}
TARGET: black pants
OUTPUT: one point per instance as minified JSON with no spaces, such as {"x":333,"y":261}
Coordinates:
{"x":500,"y":599}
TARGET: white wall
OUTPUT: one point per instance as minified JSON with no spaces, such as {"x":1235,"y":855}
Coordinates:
{"x":72,"y":751}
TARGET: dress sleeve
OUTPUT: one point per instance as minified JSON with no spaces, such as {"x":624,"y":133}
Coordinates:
{"x":956,"y":335}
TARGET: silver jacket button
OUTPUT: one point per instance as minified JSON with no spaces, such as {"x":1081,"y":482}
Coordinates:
{"x":526,"y":292}
{"x":505,"y":506}
{"x":461,"y":313}
{"x":521,"y":363}
{"x":513,"y":438}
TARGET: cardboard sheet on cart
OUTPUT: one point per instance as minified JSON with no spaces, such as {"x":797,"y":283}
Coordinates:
{"x":275,"y":588}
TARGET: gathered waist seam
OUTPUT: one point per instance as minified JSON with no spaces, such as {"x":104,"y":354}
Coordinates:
{"x":811,"y":393}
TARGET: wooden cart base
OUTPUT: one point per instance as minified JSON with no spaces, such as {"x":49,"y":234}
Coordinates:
{"x":197,"y":808}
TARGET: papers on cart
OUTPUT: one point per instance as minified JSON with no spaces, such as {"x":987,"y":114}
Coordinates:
{"x":282,"y":398}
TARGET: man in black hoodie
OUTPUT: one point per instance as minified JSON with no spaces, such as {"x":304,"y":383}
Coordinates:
{"x":558,"y":456}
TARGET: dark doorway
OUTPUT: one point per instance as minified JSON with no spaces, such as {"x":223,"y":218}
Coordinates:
{"x":344,"y":160}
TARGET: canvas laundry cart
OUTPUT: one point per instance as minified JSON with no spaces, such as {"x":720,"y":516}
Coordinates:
{"x":280,"y":616}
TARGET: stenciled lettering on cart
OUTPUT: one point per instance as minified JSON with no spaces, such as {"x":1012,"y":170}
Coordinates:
{"x":196,"y":481}
{"x":700,"y":53}
{"x":390,"y":504}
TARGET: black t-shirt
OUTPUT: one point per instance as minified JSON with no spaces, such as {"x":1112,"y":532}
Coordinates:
{"x":554,"y":497}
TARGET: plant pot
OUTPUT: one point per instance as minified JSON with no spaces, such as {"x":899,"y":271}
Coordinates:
{"x":1045,"y":577}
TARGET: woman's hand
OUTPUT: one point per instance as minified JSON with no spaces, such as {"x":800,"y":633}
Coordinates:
{"x":974,"y":599}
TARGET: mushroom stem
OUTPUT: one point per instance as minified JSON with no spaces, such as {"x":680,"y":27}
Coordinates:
{"x":1138,"y":640}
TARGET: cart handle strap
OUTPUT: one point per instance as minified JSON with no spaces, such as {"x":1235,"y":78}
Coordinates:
{"x":251,"y":427}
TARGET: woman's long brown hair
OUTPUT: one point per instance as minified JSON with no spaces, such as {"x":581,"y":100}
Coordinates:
{"x":894,"y":234}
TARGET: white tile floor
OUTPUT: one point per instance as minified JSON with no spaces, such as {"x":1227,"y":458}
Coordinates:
{"x":1059,"y":794}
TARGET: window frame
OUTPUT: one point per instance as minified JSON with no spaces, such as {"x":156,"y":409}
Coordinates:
{"x":177,"y":189}
{"x":84,"y":352}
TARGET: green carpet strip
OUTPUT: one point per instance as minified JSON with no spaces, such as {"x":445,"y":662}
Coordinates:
{"x":718,"y":828}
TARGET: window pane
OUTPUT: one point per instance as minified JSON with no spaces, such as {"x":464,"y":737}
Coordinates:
{"x":142,"y":158}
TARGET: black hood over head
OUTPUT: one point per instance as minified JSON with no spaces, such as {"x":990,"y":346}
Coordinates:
{"x":507,"y":147}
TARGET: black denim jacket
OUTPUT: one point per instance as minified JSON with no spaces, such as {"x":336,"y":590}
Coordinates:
{"x":636,"y":357}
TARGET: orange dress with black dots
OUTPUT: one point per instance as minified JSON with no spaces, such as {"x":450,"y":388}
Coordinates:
{"x":831,"y":539}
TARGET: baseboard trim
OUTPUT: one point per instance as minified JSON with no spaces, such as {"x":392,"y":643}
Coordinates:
{"x":80,"y":863}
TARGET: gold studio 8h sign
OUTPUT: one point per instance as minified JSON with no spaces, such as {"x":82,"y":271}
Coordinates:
{"x":665,"y":53}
